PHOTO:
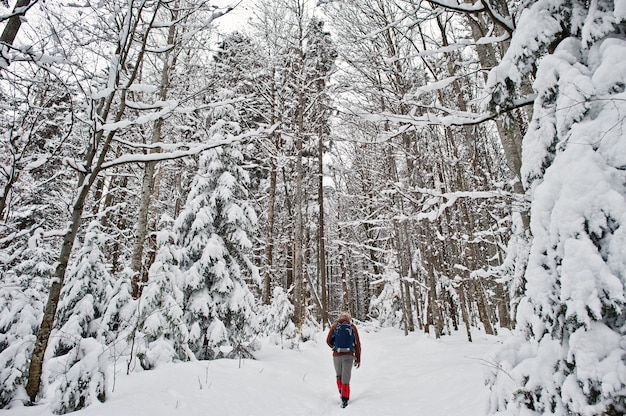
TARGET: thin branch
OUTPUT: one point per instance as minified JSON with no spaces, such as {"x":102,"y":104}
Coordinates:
{"x":478,"y":7}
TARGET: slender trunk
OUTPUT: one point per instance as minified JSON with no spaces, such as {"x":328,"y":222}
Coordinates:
{"x":403,"y":303}
{"x":298,"y":266}
{"x":148,"y":183}
{"x":298,"y":232}
{"x":503,"y":306}
{"x":271,"y":208}
{"x":316,"y":296}
{"x":344,"y":286}
{"x":322,"y":235}
{"x":269,"y":243}
{"x":434,"y":312}
{"x":343,"y":271}
{"x":479,"y":296}
{"x":403,"y":251}
{"x":418,"y":306}
{"x":47,"y":323}
{"x":147,"y":189}
{"x":11,"y":177}
{"x":122,"y":224}
{"x":464,"y":313}
{"x":178,"y":203}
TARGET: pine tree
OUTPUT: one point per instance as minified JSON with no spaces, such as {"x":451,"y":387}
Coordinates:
{"x":213,"y":232}
{"x":21,"y":308}
{"x":161,"y":323}
{"x":387,"y":306}
{"x":567,"y":358}
{"x":77,"y":343}
{"x":278,"y":318}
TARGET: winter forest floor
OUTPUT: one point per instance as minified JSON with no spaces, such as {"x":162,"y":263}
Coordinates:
{"x":414,"y":375}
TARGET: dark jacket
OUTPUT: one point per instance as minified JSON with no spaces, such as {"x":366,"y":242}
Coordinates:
{"x":357,"y":341}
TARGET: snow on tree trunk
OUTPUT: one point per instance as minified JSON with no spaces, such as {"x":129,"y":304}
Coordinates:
{"x":568,"y":356}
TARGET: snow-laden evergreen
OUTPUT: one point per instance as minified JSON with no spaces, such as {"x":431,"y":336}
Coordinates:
{"x":77,"y":368}
{"x":568,"y":358}
{"x":386,"y":308}
{"x":21,"y":309}
{"x":213,"y":233}
{"x":277,"y":319}
{"x":163,"y":334}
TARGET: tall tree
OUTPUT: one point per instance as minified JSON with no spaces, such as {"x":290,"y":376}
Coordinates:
{"x":213,"y":231}
{"x":96,"y":151}
{"x":320,"y":60}
{"x":571,"y":315}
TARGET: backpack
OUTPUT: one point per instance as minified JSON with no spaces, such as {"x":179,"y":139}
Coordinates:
{"x":343,"y":337}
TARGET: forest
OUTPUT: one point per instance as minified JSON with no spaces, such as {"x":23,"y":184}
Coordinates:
{"x":172,"y":187}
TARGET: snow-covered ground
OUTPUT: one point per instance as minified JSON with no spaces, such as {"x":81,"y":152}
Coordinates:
{"x":399,"y":376}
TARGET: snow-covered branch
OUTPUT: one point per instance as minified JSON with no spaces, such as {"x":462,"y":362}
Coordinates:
{"x":430,"y":118}
{"x":478,"y":7}
{"x":179,"y":151}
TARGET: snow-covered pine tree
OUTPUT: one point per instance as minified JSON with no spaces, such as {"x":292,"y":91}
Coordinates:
{"x":161,"y":325}
{"x":212,"y":231}
{"x":120,"y":320}
{"x":387,"y":306}
{"x":21,"y":308}
{"x":278,"y":319}
{"x":568,"y":356}
{"x":78,"y":367}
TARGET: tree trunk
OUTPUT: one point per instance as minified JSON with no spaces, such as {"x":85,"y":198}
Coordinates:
{"x":403,"y":303}
{"x":503,"y":306}
{"x":482,"y":306}
{"x":11,"y":177}
{"x":147,"y":189}
{"x":464,"y":312}
{"x":47,"y":323}
{"x":298,"y":232}
{"x":403,"y":251}
{"x":322,"y":235}
{"x":12,"y":27}
{"x":271,"y":204}
{"x":148,"y":183}
{"x":269,"y":242}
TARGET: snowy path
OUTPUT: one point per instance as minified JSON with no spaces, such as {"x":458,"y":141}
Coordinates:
{"x":400,"y":375}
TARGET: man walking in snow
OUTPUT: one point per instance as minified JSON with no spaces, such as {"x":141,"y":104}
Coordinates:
{"x":343,"y":338}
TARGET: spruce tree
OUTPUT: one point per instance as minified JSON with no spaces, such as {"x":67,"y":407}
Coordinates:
{"x":77,"y":342}
{"x":278,"y":318}
{"x":161,"y":324}
{"x":21,"y":308}
{"x":213,"y":233}
{"x":567,"y":358}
